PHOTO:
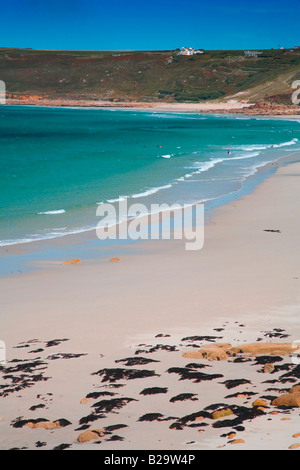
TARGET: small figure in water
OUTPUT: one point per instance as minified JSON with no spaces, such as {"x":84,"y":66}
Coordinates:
{"x":229,"y":153}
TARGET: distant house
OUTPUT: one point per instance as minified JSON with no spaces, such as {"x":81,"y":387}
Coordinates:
{"x":190,"y":51}
{"x":297,"y":47}
{"x":252,"y":53}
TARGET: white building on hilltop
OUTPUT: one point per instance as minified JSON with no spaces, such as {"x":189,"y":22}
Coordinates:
{"x":252,"y":53}
{"x":190,"y":51}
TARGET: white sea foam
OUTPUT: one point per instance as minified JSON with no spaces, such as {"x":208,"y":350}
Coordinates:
{"x":178,"y":115}
{"x":60,"y":211}
{"x":118,"y":199}
{"x":205,"y":166}
{"x":151,"y":191}
{"x":250,"y":148}
{"x":252,"y":170}
{"x":48,"y":236}
{"x":243,"y":157}
{"x":285,"y":144}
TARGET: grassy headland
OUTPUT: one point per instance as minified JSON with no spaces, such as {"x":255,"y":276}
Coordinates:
{"x":150,"y":76}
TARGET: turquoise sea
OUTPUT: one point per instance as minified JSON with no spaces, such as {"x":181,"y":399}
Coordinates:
{"x":58,"y":164}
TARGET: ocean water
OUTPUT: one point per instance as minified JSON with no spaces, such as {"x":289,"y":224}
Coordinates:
{"x":58,"y":165}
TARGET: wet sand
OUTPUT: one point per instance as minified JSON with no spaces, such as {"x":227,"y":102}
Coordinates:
{"x":155,"y":305}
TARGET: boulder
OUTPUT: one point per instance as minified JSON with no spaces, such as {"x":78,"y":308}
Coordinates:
{"x":288,"y":399}
{"x":43,"y":425}
{"x":268,"y":368}
{"x":259,"y":402}
{"x":295,"y":389}
{"x":295,"y":446}
{"x":85,"y":400}
{"x":258,"y":349}
{"x":221,"y":413}
{"x":90,"y":435}
{"x":211,"y":352}
{"x":237,"y":441}
{"x":221,"y":351}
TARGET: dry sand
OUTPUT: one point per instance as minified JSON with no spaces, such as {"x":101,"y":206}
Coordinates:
{"x":231,"y":106}
{"x":177,"y":107}
{"x":242,"y":287}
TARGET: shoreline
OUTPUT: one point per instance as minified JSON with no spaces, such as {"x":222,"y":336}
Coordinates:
{"x":230,"y":107}
{"x":85,"y":245}
{"x":110,"y":310}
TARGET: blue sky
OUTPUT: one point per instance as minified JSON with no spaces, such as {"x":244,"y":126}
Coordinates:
{"x":146,"y":25}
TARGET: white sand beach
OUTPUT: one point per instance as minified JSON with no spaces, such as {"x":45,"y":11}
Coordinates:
{"x":242,"y":287}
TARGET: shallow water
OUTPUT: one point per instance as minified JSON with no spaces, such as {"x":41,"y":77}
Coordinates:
{"x":58,"y":165}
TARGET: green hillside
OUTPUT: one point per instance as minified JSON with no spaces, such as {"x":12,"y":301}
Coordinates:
{"x":151,"y":75}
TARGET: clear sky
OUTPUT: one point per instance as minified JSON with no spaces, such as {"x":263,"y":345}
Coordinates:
{"x":149,"y":24}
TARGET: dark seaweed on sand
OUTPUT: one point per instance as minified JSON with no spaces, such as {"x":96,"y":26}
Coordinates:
{"x":115,"y":427}
{"x":63,"y":422}
{"x":100,"y":394}
{"x":235,"y":383}
{"x":276,"y":333}
{"x":65,"y":356}
{"x":62,"y":447}
{"x":35,"y":407}
{"x":112,"y":375}
{"x":154,"y":391}
{"x":295,"y":372}
{"x":22,"y":375}
{"x":278,"y":390}
{"x":115,"y":437}
{"x":282,"y":367}
{"x":197,"y":425}
{"x":242,"y":414}
{"x":241,"y":359}
{"x":55,"y":342}
{"x":201,"y":338}
{"x":40,"y":444}
{"x":107,"y":406}
{"x":19,"y":423}
{"x":135,"y":361}
{"x":27,"y":367}
{"x":194,"y":365}
{"x":151,"y":417}
{"x":90,"y":418}
{"x":268,"y":397}
{"x":83,"y":427}
{"x":216,"y":406}
{"x":191,"y":374}
{"x":181,"y":422}
{"x":261,"y":360}
{"x":158,"y":347}
{"x":183,"y":397}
